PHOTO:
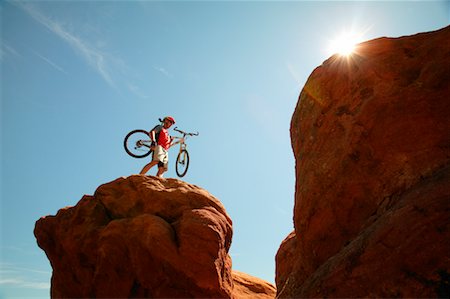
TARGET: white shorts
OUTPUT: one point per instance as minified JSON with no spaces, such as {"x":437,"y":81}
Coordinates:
{"x":161,"y":155}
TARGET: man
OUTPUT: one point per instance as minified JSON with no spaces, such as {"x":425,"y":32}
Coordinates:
{"x":161,"y":142}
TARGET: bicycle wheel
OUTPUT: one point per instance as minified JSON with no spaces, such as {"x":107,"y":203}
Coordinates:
{"x":137,"y":144}
{"x":182,"y":164}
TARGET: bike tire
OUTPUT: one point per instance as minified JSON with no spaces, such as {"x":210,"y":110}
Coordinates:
{"x":182,"y":163}
{"x":130,"y":143}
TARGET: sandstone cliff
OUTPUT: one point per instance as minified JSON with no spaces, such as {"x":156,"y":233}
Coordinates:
{"x":144,"y":237}
{"x":371,"y":138}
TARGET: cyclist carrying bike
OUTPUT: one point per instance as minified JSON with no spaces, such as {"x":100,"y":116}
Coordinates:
{"x":161,"y":142}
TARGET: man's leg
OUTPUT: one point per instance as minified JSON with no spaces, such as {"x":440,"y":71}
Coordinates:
{"x":162,"y":166}
{"x":161,"y":171}
{"x":148,"y":166}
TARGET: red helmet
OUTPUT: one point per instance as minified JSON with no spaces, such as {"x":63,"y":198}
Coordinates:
{"x":170,"y":118}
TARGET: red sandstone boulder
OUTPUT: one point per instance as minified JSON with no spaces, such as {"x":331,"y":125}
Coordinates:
{"x":140,"y":237}
{"x":250,"y":287}
{"x":286,"y":259}
{"x":371,"y":138}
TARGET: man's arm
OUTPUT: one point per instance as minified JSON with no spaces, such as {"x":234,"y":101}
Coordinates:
{"x":173,"y":142}
{"x":152,"y":134}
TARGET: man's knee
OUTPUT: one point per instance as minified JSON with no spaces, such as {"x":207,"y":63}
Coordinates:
{"x":162,"y":165}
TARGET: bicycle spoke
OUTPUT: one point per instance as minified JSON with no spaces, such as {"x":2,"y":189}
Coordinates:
{"x":137,"y":144}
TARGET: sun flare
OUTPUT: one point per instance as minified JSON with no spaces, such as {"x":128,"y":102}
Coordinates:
{"x":344,"y":44}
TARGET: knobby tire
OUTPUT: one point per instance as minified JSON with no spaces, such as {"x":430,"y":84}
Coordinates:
{"x":131,"y":149}
{"x":178,"y":166}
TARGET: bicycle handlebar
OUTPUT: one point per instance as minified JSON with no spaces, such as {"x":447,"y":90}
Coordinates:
{"x":184,"y":133}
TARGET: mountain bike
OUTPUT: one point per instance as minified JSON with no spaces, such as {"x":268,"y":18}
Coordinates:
{"x":138,"y":144}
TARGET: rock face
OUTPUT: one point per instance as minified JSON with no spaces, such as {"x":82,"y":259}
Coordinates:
{"x":140,"y":237}
{"x":371,"y":138}
{"x":249,"y":287}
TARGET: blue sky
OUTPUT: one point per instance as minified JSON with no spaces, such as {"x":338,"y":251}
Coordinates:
{"x":77,"y":76}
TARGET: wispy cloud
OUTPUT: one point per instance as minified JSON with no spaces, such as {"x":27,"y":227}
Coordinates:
{"x":163,"y":71}
{"x":17,"y":282}
{"x":112,"y":69}
{"x":9,"y":268}
{"x":20,"y":277}
{"x":137,"y":91}
{"x":96,"y":58}
{"x":51,"y":63}
{"x":23,"y":250}
{"x":7,"y":49}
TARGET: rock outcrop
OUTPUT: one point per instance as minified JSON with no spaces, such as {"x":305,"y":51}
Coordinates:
{"x":141,"y":237}
{"x":250,"y":287}
{"x":371,"y":138}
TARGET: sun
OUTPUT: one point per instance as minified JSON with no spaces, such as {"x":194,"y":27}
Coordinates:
{"x":344,"y":44}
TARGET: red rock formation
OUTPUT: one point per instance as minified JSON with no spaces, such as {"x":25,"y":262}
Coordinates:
{"x":286,"y":259}
{"x":141,"y":237}
{"x":249,"y":287}
{"x":371,"y":138}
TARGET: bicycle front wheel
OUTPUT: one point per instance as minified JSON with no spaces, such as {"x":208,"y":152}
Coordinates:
{"x":137,"y":144}
{"x":182,"y":164}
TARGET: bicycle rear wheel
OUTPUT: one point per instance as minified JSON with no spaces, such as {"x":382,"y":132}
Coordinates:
{"x":137,"y":144}
{"x":182,"y":163}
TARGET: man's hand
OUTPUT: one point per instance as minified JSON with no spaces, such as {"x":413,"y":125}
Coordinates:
{"x":176,"y":141}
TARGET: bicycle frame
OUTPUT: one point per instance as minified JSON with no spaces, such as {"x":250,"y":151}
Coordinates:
{"x":146,"y":143}
{"x":182,"y":142}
